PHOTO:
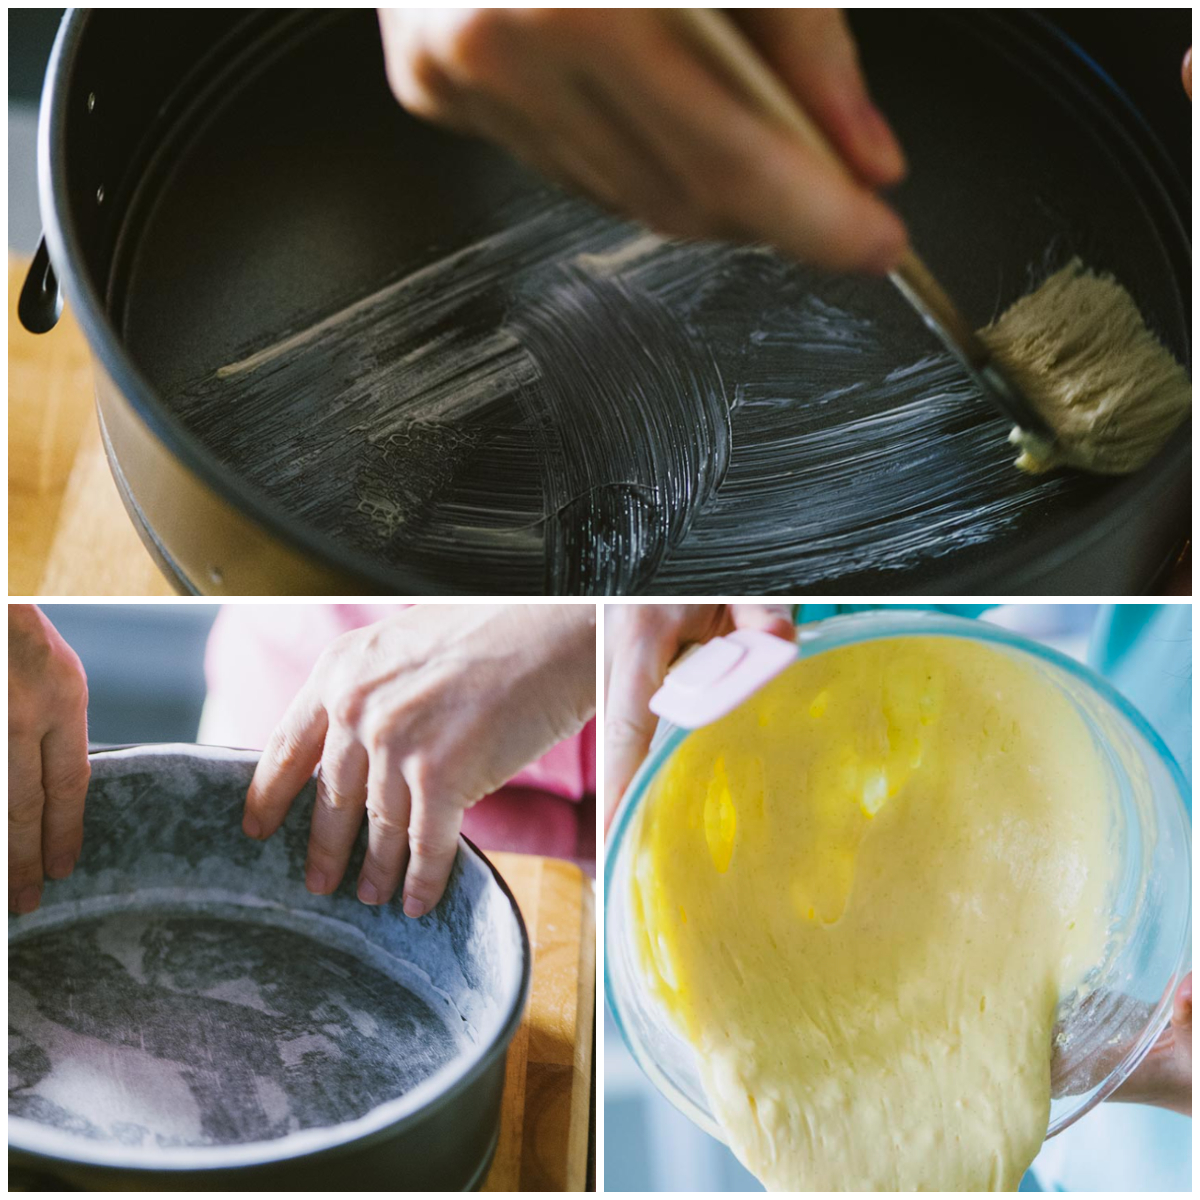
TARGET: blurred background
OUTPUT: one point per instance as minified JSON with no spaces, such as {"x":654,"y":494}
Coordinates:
{"x":145,"y":667}
{"x":650,"y":1146}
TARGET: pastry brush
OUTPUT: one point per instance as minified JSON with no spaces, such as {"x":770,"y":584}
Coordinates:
{"x":1072,"y":364}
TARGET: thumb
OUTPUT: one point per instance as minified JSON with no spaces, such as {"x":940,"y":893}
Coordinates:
{"x":1181,"y":1009}
{"x":769,"y":618}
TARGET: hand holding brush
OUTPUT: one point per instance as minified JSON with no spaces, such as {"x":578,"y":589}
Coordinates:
{"x":759,"y":127}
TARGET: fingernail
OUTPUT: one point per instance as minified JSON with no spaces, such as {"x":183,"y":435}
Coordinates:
{"x":251,"y":826}
{"x":315,"y":881}
{"x":413,"y":907}
{"x":60,"y":867}
{"x":28,"y":899}
{"x":368,"y":893}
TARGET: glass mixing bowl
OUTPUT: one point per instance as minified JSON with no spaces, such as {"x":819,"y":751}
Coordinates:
{"x":1106,"y":1026}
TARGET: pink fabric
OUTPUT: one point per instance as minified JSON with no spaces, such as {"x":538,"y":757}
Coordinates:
{"x":258,"y":658}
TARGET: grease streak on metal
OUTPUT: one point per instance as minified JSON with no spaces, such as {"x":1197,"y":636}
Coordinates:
{"x":576,"y":406}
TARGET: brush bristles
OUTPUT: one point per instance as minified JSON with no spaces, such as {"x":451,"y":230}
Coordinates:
{"x":1078,"y":349}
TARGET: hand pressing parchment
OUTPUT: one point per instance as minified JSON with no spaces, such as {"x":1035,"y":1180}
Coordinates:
{"x":641,"y":641}
{"x":48,"y":767}
{"x":620,"y":105}
{"x":412,"y":721}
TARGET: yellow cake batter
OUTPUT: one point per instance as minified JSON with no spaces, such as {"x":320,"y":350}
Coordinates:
{"x":862,"y":895}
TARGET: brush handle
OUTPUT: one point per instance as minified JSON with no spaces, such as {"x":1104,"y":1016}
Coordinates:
{"x":731,"y":55}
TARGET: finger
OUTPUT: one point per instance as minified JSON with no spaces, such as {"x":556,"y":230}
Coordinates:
{"x":525,"y":85}
{"x":1187,"y":73}
{"x":26,"y":802}
{"x":508,"y":126}
{"x":432,"y":845}
{"x":770,"y":618}
{"x":601,"y":146}
{"x":746,"y":179}
{"x":388,"y":808}
{"x":639,"y":667}
{"x":65,"y":775}
{"x":414,"y":68}
{"x":813,"y":52}
{"x":291,"y":756}
{"x":550,"y":103}
{"x":572,"y":143}
{"x":503,"y":90}
{"x":1181,"y":1008}
{"x":338,"y":811}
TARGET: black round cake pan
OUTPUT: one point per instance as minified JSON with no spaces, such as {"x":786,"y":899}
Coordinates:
{"x":184,"y":1014}
{"x":340,"y":350}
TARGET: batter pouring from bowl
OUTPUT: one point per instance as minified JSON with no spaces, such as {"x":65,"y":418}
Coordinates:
{"x":863,"y":896}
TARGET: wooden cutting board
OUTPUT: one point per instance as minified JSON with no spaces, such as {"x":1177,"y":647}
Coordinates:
{"x":546,"y":1108}
{"x":68,"y":533}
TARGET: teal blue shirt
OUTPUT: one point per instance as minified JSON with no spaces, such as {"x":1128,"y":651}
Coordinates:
{"x":1145,"y":650}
